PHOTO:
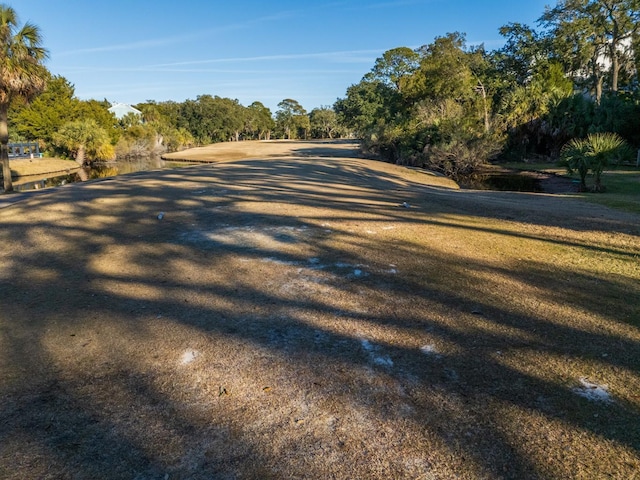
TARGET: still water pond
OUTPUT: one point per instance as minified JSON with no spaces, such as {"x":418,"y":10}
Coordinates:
{"x":97,"y":170}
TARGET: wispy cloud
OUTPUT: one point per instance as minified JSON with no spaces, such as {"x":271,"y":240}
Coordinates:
{"x":142,"y":44}
{"x":177,"y":39}
{"x":344,"y":56}
{"x":223,"y":71}
{"x":319,"y":64}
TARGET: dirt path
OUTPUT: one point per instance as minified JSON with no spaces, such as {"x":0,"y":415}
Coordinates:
{"x":300,"y":313}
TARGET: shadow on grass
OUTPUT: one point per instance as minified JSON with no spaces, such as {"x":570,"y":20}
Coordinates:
{"x":273,"y":270}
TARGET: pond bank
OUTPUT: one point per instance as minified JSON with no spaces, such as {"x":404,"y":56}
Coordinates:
{"x":514,"y":180}
{"x":27,"y":167}
{"x":36,"y":174}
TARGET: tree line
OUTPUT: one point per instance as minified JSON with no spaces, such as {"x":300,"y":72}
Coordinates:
{"x":451,"y":107}
{"x":549,"y":93}
{"x":61,"y":122}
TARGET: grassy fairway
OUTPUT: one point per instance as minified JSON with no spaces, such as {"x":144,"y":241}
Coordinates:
{"x":308,"y":314}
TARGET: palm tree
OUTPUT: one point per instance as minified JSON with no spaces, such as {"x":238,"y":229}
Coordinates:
{"x":82,"y":137}
{"x":594,"y":153}
{"x":575,"y":156}
{"x":21,"y":73}
{"x":607,"y":149}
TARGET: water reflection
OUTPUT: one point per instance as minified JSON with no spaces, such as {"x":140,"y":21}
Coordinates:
{"x":97,"y":170}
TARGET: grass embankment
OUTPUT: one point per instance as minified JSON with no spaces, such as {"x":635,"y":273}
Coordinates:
{"x":28,"y":167}
{"x":24,"y":167}
{"x":622,"y":185}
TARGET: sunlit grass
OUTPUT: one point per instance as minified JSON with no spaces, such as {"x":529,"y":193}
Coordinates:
{"x":36,"y":166}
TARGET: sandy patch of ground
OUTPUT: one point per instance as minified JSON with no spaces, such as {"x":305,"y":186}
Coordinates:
{"x":289,"y":317}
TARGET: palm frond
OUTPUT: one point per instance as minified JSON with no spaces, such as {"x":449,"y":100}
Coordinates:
{"x":21,"y":55}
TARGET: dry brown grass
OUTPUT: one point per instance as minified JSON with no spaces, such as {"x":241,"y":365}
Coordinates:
{"x":24,"y":167}
{"x":289,"y":318}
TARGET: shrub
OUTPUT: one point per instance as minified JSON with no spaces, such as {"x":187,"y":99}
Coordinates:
{"x":459,"y":158}
{"x":594,"y":153}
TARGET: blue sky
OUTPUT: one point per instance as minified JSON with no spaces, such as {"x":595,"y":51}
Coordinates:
{"x":135,"y":50}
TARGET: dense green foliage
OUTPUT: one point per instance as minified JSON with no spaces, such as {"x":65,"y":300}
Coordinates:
{"x":292,"y":120}
{"x":324,"y":123}
{"x":450,"y":107}
{"x":84,"y":138}
{"x":430,"y":107}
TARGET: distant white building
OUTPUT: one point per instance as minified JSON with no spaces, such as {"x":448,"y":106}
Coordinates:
{"x":625,"y":47}
{"x":120,"y":110}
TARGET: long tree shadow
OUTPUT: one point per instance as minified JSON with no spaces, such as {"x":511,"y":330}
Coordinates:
{"x":271,"y":284}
